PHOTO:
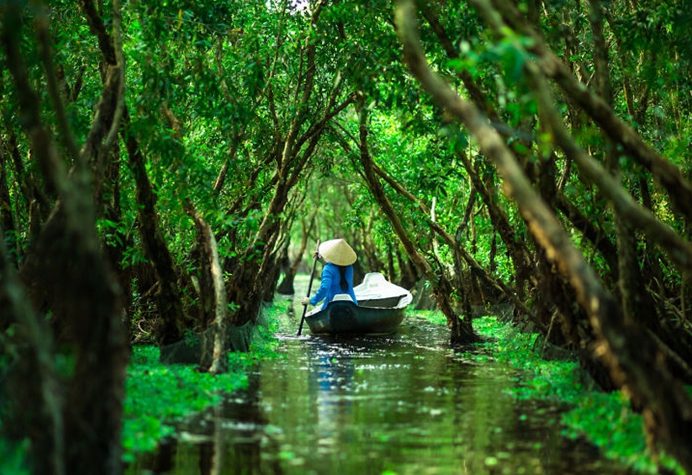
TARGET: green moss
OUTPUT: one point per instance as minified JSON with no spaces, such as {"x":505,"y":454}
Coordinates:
{"x":159,"y":395}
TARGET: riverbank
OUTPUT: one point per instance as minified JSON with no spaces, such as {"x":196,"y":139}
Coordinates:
{"x":406,"y":403}
{"x":601,"y":419}
{"x":159,"y":397}
{"x":605,"y":420}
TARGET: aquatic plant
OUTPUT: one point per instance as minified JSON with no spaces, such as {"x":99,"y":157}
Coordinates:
{"x":159,"y":396}
{"x":604,"y":419}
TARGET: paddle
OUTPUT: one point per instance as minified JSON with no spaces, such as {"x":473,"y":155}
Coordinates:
{"x":312,"y":275}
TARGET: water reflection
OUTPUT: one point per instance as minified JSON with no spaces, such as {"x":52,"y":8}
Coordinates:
{"x":330,"y":379}
{"x":405,"y":404}
{"x":228,"y":439}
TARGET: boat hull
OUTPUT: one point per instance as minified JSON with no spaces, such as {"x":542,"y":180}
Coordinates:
{"x":347,"y":318}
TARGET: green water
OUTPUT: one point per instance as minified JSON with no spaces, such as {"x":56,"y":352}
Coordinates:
{"x":403,"y":404}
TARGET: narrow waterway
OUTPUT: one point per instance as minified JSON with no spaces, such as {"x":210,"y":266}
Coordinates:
{"x":402,"y":404}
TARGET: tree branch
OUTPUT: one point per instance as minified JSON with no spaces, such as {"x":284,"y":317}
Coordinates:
{"x":626,"y":349}
{"x":679,"y":189}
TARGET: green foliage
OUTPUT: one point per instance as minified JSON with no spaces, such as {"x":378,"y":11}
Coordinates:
{"x":158,"y":396}
{"x":264,"y":344}
{"x":13,"y":458}
{"x":431,"y":316}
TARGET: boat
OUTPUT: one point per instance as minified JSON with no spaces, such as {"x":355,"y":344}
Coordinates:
{"x":380,"y":309}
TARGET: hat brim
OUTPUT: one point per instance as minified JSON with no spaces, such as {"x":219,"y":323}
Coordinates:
{"x":337,"y":251}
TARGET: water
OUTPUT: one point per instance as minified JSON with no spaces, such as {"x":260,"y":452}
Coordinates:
{"x":403,"y":404}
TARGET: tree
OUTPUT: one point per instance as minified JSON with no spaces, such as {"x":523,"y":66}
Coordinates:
{"x":627,"y":349}
{"x":73,"y":268}
{"x":173,"y":189}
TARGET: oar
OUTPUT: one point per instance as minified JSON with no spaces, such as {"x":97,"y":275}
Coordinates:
{"x":312,"y":275}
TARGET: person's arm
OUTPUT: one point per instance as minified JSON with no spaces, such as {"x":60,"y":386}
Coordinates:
{"x":319,"y":258}
{"x":324,"y":287}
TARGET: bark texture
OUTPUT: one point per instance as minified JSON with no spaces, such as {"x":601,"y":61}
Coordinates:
{"x":168,"y":297}
{"x":627,"y":350}
{"x":73,"y":272}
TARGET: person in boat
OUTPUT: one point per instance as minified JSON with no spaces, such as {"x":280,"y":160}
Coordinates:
{"x":337,"y":273}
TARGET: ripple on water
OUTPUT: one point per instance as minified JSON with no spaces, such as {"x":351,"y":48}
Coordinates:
{"x":404,"y":404}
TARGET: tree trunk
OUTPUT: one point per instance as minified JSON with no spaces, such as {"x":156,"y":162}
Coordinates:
{"x":461,"y":328}
{"x":628,"y":352}
{"x":74,"y":272}
{"x":212,"y":294}
{"x":168,"y":298}
{"x":6,"y":215}
{"x":247,"y":280}
{"x":32,"y":378}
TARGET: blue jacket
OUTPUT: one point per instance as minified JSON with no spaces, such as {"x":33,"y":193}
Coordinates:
{"x":331,"y":284}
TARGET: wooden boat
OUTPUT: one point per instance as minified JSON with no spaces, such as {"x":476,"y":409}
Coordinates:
{"x":380,"y":309}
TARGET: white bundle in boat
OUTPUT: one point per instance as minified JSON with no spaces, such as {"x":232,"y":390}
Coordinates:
{"x":376,"y":291}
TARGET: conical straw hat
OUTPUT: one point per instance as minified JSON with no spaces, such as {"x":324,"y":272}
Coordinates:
{"x":337,"y":251}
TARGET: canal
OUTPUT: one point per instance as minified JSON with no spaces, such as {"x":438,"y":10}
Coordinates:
{"x":402,"y":404}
